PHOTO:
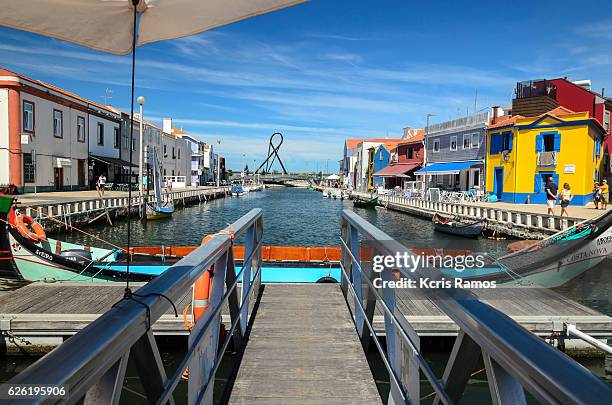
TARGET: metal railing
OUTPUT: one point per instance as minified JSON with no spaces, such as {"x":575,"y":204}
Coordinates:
{"x":515,"y":360}
{"x":92,"y":363}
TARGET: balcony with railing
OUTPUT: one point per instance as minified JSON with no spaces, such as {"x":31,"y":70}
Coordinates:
{"x":534,"y":97}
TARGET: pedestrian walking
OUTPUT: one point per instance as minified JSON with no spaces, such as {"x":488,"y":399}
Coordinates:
{"x":551,"y":195}
{"x":596,"y":195}
{"x":566,"y":197}
{"x":605,"y":194}
{"x":101,"y":184}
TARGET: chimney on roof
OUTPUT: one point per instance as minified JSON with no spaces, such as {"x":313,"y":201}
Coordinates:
{"x":496,"y":109}
{"x":167,"y":125}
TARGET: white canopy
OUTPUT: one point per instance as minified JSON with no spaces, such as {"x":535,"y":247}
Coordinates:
{"x":333,"y":177}
{"x":107,"y":25}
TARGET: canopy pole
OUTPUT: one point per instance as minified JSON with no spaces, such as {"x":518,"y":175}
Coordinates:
{"x":128,"y":291}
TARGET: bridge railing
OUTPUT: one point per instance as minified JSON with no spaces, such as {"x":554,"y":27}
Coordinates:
{"x":515,"y":360}
{"x":92,"y":364}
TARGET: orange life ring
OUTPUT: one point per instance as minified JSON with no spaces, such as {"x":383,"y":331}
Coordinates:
{"x":30,"y":229}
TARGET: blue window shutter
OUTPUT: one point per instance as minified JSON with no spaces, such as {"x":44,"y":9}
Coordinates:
{"x":556,"y":179}
{"x":492,"y":144}
{"x":537,"y":183}
{"x":499,"y":141}
{"x":557,"y":142}
{"x":510,"y":140}
{"x":598,"y":147}
{"x":539,"y":143}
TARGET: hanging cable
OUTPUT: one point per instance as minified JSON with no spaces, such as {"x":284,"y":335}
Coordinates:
{"x":128,"y":291}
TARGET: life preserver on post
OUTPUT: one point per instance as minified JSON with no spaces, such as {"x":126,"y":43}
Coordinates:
{"x":29,"y":228}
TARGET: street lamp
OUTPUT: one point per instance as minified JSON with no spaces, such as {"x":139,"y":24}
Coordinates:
{"x":425,"y":151}
{"x":244,"y":173}
{"x":218,"y":161}
{"x":140,"y":101}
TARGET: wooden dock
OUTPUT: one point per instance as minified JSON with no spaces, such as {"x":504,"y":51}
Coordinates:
{"x":54,"y":309}
{"x":303,"y":348}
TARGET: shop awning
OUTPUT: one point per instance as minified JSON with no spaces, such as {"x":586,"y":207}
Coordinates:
{"x":113,"y":161}
{"x":447,"y":168}
{"x":396,"y":170}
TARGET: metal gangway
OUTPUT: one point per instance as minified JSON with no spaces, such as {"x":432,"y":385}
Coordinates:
{"x":92,"y":364}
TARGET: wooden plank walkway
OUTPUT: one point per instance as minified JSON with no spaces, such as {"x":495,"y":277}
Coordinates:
{"x":48,"y":309}
{"x":303,"y":348}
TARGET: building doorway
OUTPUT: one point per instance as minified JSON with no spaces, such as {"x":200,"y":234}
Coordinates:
{"x":58,"y":178}
{"x":81,"y":171}
{"x":498,"y":186}
{"x":474,"y":178}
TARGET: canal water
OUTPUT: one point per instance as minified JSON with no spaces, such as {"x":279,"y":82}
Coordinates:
{"x":303,"y":217}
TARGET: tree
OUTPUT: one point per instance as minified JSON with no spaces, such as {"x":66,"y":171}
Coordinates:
{"x":246,"y":168}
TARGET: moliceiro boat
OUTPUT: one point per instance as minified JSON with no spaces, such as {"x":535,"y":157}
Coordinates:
{"x":33,"y":256}
{"x":550,"y":262}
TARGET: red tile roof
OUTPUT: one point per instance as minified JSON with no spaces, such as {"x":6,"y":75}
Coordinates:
{"x":6,"y":72}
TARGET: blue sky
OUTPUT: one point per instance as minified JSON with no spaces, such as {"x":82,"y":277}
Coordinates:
{"x":323,"y":71}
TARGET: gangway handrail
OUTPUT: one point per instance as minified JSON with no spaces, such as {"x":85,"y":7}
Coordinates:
{"x":92,"y":363}
{"x":514,"y":359}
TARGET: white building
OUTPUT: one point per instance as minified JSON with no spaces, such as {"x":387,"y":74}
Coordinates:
{"x":44,"y":134}
{"x":104,"y":126}
{"x":195,"y":147}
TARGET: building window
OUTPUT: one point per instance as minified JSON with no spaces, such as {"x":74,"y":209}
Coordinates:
{"x":28,"y":116}
{"x":100,"y":133}
{"x":607,"y":121}
{"x":117,"y":136}
{"x":81,"y":129}
{"x":436,"y":145}
{"x":549,"y":142}
{"x":173,"y":155}
{"x":476,"y":141}
{"x":58,"y":124}
{"x":453,"y":143}
{"x":133,"y":145}
{"x":179,"y":153}
{"x":29,"y":171}
{"x":466,"y":141}
{"x":409,"y":153}
{"x":165,"y":151}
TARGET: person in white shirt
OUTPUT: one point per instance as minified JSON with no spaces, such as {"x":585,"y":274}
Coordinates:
{"x":101,"y":184}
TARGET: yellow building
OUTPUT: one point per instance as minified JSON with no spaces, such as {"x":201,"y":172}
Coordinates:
{"x":523,"y":152}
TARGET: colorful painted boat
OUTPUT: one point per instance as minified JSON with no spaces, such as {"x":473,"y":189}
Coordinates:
{"x":547,"y":263}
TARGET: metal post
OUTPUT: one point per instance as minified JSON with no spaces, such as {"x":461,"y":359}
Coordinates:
{"x":140,"y":150}
{"x":356,"y":276}
{"x":246,"y":276}
{"x":218,"y":161}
